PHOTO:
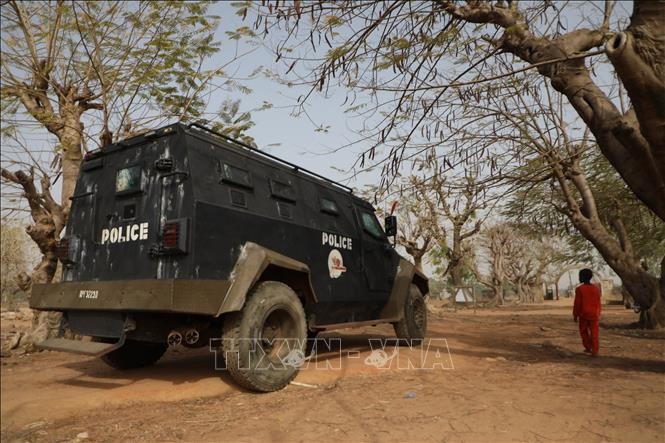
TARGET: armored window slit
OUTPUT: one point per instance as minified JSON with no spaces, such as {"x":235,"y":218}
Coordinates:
{"x":236,"y":176}
{"x":329,"y":206}
{"x":282,"y":190}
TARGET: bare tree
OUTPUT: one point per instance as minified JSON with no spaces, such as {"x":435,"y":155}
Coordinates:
{"x":420,"y":224}
{"x":496,"y":243}
{"x":535,"y":131}
{"x":516,"y":257}
{"x":460,"y":204}
{"x":529,"y":261}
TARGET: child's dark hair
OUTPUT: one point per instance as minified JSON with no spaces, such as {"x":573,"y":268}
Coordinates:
{"x":586,"y":275}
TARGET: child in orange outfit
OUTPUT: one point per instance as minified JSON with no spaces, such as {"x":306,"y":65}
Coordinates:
{"x":587,"y":310}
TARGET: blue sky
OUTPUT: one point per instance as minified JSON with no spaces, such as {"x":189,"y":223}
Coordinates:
{"x":297,"y":136}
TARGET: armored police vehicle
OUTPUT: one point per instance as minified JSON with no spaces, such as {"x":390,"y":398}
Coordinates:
{"x":182,"y":235}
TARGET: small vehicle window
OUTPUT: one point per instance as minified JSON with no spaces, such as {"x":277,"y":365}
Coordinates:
{"x":371,"y":225}
{"x":329,"y":206}
{"x":129,"y":211}
{"x":128,"y":180}
{"x":235,"y":175}
{"x":282,"y":190}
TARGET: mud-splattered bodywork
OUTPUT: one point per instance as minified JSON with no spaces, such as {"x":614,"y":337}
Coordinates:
{"x":183,"y":223}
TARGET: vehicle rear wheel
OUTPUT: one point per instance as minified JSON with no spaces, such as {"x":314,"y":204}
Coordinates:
{"x":264,"y":344}
{"x":133,"y":354}
{"x":414,"y":322}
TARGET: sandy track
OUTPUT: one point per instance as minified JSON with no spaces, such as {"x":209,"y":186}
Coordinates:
{"x":505,"y":386}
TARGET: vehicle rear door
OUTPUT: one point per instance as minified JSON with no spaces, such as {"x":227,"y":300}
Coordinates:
{"x":133,"y":196}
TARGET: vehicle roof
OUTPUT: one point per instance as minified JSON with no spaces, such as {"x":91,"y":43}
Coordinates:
{"x":241,"y":148}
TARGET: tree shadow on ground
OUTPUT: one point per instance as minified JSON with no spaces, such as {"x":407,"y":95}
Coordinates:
{"x":523,"y":349}
{"x":519,"y":352}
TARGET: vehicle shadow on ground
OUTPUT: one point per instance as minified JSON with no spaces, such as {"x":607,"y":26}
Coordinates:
{"x":176,"y":367}
{"x":189,"y":366}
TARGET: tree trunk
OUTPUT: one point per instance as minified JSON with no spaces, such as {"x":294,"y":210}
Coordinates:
{"x":536,"y":291}
{"x":456,"y":257}
{"x":71,"y":140}
{"x":418,"y":262}
{"x":498,"y":277}
{"x":456,"y":275}
{"x":49,"y":219}
{"x":44,"y":324}
{"x":497,"y":291}
{"x":637,"y":55}
{"x":645,"y":289}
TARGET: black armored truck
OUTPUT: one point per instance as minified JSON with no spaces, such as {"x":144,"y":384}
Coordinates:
{"x":183,"y":236}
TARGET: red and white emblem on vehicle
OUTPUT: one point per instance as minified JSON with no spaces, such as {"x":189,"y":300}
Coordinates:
{"x":335,"y":264}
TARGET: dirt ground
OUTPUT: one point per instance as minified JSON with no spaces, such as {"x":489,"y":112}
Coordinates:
{"x":512,"y":374}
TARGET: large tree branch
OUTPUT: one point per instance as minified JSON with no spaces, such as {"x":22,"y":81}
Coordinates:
{"x":589,"y":208}
{"x":638,"y":55}
{"x":37,"y":105}
{"x":43,"y":231}
{"x":480,"y":13}
{"x":26,"y":29}
{"x":473,"y":231}
{"x":622,"y":234}
{"x":637,"y":152}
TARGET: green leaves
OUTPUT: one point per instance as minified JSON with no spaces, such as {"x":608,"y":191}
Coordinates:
{"x":230,"y":121}
{"x":337,"y":53}
{"x":333,"y":21}
{"x":139,"y":59}
{"x":243,"y":31}
{"x":242,"y":8}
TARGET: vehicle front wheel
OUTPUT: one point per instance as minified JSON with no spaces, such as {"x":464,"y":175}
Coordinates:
{"x":413,"y":324}
{"x":264,"y":344}
{"x":133,"y":354}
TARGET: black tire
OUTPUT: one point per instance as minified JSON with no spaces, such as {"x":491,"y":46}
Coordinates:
{"x":413,"y":325}
{"x":133,"y":354}
{"x":260,"y":341}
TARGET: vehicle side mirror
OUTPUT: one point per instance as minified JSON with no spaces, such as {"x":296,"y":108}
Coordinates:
{"x":390,"y":224}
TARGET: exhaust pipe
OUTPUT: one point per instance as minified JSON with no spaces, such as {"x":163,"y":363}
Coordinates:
{"x":174,"y":339}
{"x":191,"y":336}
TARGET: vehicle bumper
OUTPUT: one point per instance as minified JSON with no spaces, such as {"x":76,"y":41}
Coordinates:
{"x":179,"y":296}
{"x":94,"y":349}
